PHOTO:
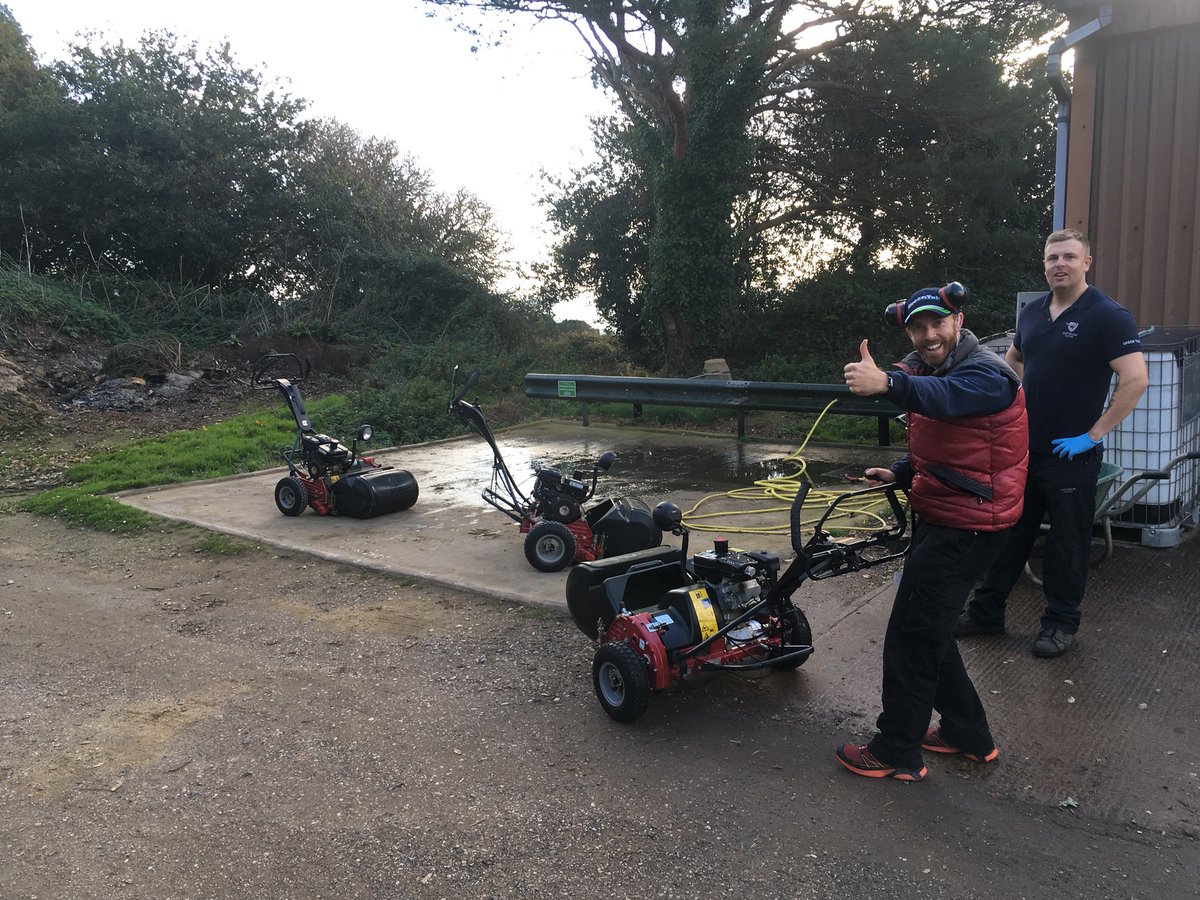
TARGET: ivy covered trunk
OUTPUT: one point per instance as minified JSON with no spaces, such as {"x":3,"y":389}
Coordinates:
{"x":692,"y":281}
{"x":691,"y":285}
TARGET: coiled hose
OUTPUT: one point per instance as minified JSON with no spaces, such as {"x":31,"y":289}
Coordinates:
{"x":779,"y":492}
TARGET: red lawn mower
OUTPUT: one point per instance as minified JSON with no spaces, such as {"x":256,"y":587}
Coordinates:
{"x":558,"y":530}
{"x":659,"y":621}
{"x":322,"y":473}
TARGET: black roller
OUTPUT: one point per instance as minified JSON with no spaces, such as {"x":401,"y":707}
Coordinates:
{"x":374,"y":493}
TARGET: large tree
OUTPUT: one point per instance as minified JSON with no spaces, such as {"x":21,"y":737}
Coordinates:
{"x":364,"y":191}
{"x":30,"y":130}
{"x":368,"y":212}
{"x":601,"y":214}
{"x":18,"y":65}
{"x":166,"y":161}
{"x":703,"y":80}
{"x":187,"y":156}
{"x":914,"y":144}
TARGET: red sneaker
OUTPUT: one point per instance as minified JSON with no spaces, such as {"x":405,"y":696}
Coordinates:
{"x":858,"y":759}
{"x":935,"y":743}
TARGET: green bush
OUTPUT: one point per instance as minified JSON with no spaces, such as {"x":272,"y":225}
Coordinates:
{"x":53,"y":305}
{"x":407,"y":412}
{"x":196,"y":316}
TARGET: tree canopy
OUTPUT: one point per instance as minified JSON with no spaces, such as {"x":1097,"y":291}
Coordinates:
{"x":170,"y":162}
{"x":751,"y":133}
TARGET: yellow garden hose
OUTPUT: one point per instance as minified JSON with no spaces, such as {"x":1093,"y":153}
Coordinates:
{"x":778,"y":493}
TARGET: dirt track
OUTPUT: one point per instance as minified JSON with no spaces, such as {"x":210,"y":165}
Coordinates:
{"x":181,"y":722}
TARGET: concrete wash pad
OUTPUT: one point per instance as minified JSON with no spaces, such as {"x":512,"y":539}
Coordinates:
{"x":1110,"y":726}
{"x":451,"y":536}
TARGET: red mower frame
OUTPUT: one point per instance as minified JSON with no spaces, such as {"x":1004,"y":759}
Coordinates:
{"x":558,"y":530}
{"x":659,"y":620}
{"x":323,"y":473}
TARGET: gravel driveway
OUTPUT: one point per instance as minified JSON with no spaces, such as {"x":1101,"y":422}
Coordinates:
{"x":184,"y":715}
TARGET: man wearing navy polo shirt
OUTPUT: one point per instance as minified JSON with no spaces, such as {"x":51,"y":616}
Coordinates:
{"x":1067,"y":346}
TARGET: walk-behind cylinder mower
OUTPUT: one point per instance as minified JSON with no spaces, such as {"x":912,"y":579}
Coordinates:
{"x":658,"y":622}
{"x":322,"y":473}
{"x":558,"y":530}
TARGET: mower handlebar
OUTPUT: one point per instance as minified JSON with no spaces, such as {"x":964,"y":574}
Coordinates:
{"x":897,"y":510}
{"x":828,"y":557}
{"x":271,"y":367}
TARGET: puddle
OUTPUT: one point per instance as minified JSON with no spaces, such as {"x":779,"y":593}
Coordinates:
{"x":653,"y":471}
{"x":688,"y":469}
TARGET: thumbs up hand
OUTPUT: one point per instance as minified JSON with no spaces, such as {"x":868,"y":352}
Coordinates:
{"x":865,"y":353}
{"x":864,"y":378}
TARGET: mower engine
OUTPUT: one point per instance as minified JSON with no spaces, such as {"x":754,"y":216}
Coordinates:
{"x":719,"y":619}
{"x":560,"y":499}
{"x":738,"y":578}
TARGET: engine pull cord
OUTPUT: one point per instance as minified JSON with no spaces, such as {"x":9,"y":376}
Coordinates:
{"x":782,"y":489}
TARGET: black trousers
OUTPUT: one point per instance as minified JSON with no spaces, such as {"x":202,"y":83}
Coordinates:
{"x":922,"y":668}
{"x":1063,"y":493}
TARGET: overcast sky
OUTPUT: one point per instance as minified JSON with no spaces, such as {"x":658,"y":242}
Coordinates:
{"x":488,"y":122}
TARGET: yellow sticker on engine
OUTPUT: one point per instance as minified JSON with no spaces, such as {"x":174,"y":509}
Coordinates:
{"x":704,"y":612}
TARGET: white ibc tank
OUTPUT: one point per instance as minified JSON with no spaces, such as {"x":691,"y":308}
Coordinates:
{"x":1163,"y":426}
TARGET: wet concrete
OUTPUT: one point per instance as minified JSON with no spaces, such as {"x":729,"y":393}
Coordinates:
{"x":1107,"y":732}
{"x":451,"y":536}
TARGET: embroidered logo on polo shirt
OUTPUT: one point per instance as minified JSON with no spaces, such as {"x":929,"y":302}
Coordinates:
{"x":1070,"y":332}
{"x":1071,"y":326}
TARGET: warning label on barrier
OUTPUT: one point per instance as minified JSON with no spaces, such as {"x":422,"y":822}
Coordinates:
{"x":566,"y":389}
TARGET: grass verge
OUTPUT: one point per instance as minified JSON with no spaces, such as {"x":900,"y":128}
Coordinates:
{"x":245,"y":443}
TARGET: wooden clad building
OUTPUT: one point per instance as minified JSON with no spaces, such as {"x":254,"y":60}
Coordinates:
{"x":1133,"y":158}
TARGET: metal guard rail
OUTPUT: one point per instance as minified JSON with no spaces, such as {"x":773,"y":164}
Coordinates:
{"x":741,"y":396}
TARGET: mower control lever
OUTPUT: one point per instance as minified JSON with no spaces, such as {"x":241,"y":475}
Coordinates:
{"x":826,"y":557}
{"x":668,"y":517}
{"x":603,"y":464}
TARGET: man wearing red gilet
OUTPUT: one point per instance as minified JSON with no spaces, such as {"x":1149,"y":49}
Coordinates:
{"x":965,"y":476}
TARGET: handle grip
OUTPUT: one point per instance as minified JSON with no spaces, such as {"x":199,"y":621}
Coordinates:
{"x":471,"y":381}
{"x":794,"y":515}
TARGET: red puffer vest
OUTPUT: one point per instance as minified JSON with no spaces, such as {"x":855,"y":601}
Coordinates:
{"x":969,"y":472}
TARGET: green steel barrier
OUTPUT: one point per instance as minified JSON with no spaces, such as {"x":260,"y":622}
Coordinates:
{"x":740,"y":396}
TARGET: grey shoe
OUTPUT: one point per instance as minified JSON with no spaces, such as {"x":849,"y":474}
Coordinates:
{"x":966,"y":626}
{"x":1052,"y":642}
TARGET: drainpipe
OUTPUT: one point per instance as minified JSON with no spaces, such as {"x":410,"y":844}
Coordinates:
{"x":1058,"y":82}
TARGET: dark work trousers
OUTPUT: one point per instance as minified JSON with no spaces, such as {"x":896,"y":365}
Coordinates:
{"x":1061,"y":492}
{"x":922,"y":669}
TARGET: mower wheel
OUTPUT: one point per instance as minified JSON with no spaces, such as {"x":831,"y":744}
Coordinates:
{"x":291,"y":496}
{"x":621,"y":681}
{"x":796,"y":630}
{"x":550,"y":546}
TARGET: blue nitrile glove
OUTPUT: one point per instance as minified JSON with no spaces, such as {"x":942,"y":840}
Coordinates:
{"x":1069,"y":448}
